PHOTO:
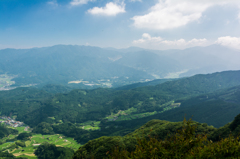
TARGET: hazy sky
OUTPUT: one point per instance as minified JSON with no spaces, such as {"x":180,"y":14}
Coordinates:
{"x":156,"y":24}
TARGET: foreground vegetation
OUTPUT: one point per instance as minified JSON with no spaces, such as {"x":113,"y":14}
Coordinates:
{"x":192,"y":140}
{"x":155,"y":139}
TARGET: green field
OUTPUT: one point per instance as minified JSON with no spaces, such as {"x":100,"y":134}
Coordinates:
{"x":33,"y":142}
{"x":130,"y":113}
{"x":36,"y":140}
{"x":90,"y":125}
{"x":21,"y":129}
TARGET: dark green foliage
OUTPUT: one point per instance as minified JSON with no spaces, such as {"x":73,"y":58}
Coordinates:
{"x":20,"y":143}
{"x":24,"y":136}
{"x":235,"y":123}
{"x":70,"y":130}
{"x":34,"y":106}
{"x":43,"y":128}
{"x":143,"y":84}
{"x":98,"y":148}
{"x":101,"y":147}
{"x":22,"y":101}
{"x":160,"y":129}
{"x":52,"y":88}
{"x":184,"y":144}
{"x":232,"y":128}
{"x":217,"y":108}
{"x":50,"y":151}
{"x":4,"y":131}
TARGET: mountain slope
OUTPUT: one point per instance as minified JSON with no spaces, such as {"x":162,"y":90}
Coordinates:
{"x":162,"y":139}
{"x":82,"y":105}
{"x":149,"y":62}
{"x":61,"y":64}
{"x":154,"y":128}
{"x":202,"y":60}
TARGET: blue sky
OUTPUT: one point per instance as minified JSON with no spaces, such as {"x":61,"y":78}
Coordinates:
{"x":153,"y":24}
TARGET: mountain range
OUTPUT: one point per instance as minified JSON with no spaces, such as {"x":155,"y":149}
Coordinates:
{"x":92,"y":67}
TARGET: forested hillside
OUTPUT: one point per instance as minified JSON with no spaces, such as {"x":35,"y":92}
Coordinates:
{"x":163,"y":139}
{"x":80,"y":106}
{"x":85,"y":115}
{"x":209,"y":98}
{"x":4,"y":131}
{"x":218,"y":108}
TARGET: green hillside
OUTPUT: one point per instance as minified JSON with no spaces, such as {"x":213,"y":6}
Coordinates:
{"x":142,"y":84}
{"x":154,"y":128}
{"x":217,"y":108}
{"x":109,"y":112}
{"x":163,"y":139}
{"x":82,"y":105}
{"x":86,"y":115}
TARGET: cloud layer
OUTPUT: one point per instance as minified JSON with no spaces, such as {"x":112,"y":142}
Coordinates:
{"x":170,"y":14}
{"x":80,"y":2}
{"x":158,"y":42}
{"x":111,"y":9}
{"x":233,"y":42}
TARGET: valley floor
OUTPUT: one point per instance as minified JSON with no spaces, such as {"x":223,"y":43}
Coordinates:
{"x":36,"y":140}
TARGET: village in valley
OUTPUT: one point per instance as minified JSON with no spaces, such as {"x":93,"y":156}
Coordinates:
{"x":11,"y":122}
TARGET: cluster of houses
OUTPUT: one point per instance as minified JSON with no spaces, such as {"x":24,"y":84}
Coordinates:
{"x":11,"y":122}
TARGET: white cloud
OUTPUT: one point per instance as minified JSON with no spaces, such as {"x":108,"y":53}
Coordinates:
{"x":135,"y":0}
{"x":111,"y":9}
{"x":233,"y":42}
{"x":146,"y":38}
{"x":80,"y":2}
{"x":167,"y":14}
{"x":159,"y":43}
{"x":53,"y":3}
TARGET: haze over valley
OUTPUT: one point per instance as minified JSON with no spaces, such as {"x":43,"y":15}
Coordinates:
{"x":91,"y":67}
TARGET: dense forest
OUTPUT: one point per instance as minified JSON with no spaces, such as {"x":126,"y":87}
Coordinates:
{"x":105,"y":116}
{"x":162,"y":139}
{"x":4,"y":131}
{"x":211,"y":98}
{"x":34,"y":106}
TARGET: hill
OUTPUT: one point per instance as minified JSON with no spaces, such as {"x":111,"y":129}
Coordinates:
{"x":103,"y":146}
{"x":119,"y":112}
{"x":163,"y":139}
{"x":217,"y":109}
{"x":203,"y":60}
{"x":61,"y":64}
{"x":156,"y":65}
{"x":92,"y":67}
{"x":142,"y":84}
{"x":83,"y":105}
